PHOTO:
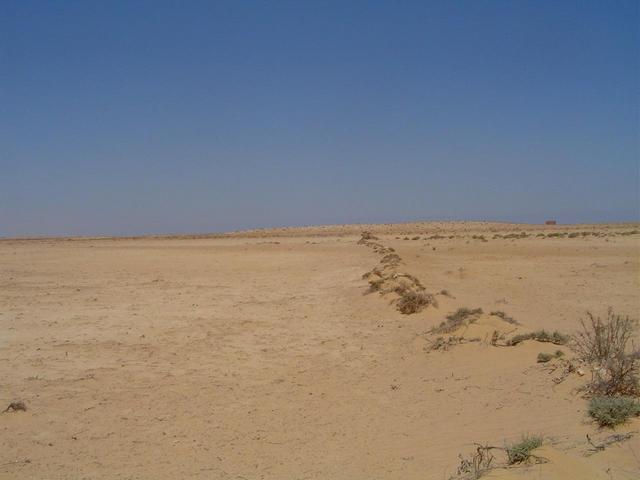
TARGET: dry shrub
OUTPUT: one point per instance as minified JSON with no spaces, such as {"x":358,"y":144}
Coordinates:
{"x":462,"y":316}
{"x":617,"y":376}
{"x":413,"y":302}
{"x":505,"y":317}
{"x":483,"y":459}
{"x":366,"y":236}
{"x":413,"y":280}
{"x":16,"y":406}
{"x":375,"y":285}
{"x":556,"y":337}
{"x":606,"y":344}
{"x":601,"y":340}
{"x":477,"y":464}
{"x":375,"y":271}
{"x":393,"y":258}
{"x":444,"y":344}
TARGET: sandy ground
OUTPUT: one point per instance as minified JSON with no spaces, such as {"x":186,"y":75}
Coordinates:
{"x":260,"y":355}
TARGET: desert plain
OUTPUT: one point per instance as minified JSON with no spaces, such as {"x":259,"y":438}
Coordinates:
{"x":267,"y":354}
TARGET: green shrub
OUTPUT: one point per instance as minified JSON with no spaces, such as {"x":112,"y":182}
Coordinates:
{"x":612,"y":411}
{"x":521,"y":451}
{"x":546,"y":357}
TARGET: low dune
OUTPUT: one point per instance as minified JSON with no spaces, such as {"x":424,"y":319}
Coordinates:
{"x":311,"y":353}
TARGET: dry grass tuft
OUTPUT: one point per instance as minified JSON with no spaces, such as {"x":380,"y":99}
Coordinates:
{"x":505,"y":317}
{"x":461,"y":317}
{"x":521,"y":452}
{"x":16,"y":406}
{"x":479,"y":463}
{"x":556,"y":337}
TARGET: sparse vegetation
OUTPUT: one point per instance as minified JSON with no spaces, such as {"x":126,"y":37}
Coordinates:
{"x":505,"y":317}
{"x":516,"y":235}
{"x":444,"y":344}
{"x":393,"y":258}
{"x":612,"y":411}
{"x":479,"y":463}
{"x":16,"y":406}
{"x":606,"y":345}
{"x":483,"y":459}
{"x":544,"y":357}
{"x":521,"y":452}
{"x":601,"y":340}
{"x":618,"y":376}
{"x":462,"y":316}
{"x":556,"y":337}
{"x":547,"y":357}
{"x":413,"y":302}
{"x":375,"y":284}
{"x":367,"y":236}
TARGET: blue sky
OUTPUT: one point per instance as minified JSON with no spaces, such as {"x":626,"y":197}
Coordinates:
{"x":157,"y":117}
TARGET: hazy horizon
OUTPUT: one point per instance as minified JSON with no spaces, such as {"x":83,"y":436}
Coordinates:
{"x":157,"y":117}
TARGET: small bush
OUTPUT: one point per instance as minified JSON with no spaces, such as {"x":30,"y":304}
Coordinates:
{"x":413,"y":302}
{"x":368,"y":236}
{"x":601,"y":340}
{"x":547,"y":357}
{"x":556,"y":337}
{"x":618,"y":376}
{"x":521,"y":451}
{"x":605,"y":344}
{"x":544,"y":357}
{"x":612,"y":411}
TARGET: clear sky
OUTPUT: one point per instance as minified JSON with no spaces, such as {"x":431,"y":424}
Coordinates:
{"x":154,"y":117}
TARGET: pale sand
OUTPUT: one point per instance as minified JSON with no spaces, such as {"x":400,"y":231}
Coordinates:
{"x":236,"y":357}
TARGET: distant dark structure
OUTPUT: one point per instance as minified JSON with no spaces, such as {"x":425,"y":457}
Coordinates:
{"x":550,"y":222}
